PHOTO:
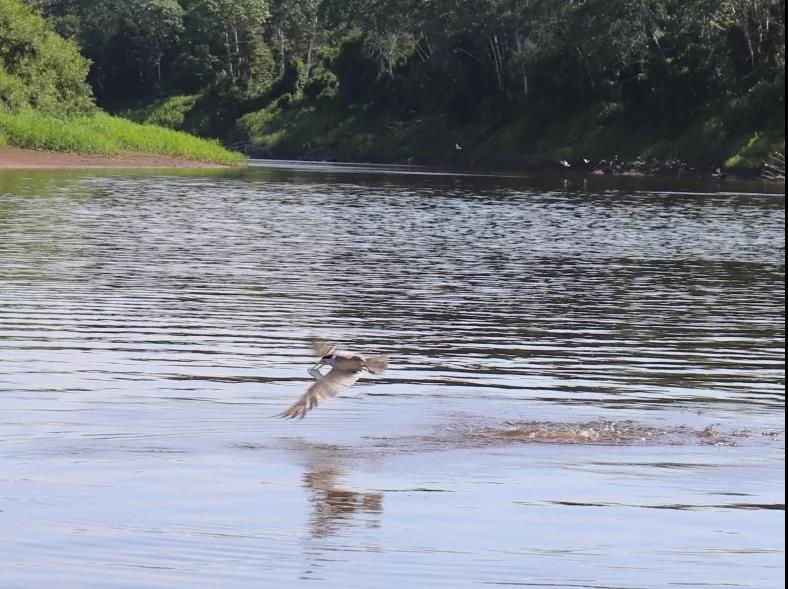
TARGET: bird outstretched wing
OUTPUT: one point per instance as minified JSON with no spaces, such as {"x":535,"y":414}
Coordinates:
{"x":334,"y":382}
{"x":322,"y":347}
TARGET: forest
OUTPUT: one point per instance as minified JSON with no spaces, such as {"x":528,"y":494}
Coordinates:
{"x":701,"y":81}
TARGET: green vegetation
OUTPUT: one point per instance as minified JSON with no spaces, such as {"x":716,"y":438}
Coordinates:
{"x":38,"y":68}
{"x":170,"y":112}
{"x":46,"y":103}
{"x":102,"y":134}
{"x":398,"y":79}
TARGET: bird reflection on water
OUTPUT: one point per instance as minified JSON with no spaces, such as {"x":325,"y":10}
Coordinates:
{"x":335,"y":508}
{"x":334,"y":505}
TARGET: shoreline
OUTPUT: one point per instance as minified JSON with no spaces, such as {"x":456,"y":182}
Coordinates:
{"x":613,"y":167}
{"x":15,"y":158}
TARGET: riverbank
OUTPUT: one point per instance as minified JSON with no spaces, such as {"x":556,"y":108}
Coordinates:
{"x":114,"y":138}
{"x":14,"y":158}
{"x":582,"y":143}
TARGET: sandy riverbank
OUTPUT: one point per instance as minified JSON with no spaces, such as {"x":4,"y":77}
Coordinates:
{"x":15,"y":158}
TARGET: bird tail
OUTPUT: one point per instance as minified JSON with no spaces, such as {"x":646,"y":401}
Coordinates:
{"x":377,"y":364}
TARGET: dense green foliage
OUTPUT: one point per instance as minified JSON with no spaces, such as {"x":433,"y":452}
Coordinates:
{"x":46,"y":103}
{"x":699,"y":79}
{"x":38,"y":68}
{"x":140,"y":47}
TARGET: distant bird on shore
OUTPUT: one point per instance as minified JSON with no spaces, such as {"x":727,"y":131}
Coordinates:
{"x":565,"y":164}
{"x":346,"y":369}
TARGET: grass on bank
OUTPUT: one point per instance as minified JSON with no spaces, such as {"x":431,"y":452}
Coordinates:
{"x":300,"y":129}
{"x":169,"y":111}
{"x":102,"y":134}
{"x":728,"y":134}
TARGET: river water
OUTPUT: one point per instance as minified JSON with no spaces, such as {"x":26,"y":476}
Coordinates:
{"x":586,"y":385}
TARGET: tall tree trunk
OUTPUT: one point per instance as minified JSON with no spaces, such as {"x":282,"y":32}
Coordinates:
{"x":525,"y":81}
{"x":423,"y":50}
{"x":282,"y":53}
{"x":584,"y":62}
{"x":228,"y":50}
{"x":518,"y":43}
{"x":311,"y":48}
{"x":237,"y":50}
{"x":391,"y":52}
{"x":750,"y":50}
{"x":497,"y":60}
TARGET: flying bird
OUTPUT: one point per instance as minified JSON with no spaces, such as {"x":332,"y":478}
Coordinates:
{"x":346,"y":369}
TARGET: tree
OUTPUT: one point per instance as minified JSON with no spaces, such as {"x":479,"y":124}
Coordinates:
{"x":233,"y":29}
{"x":153,"y":28}
{"x":38,"y":68}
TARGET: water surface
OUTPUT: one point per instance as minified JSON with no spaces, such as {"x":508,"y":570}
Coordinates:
{"x":586,"y":384}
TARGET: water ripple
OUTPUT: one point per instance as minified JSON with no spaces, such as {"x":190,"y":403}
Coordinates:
{"x":612,"y":346}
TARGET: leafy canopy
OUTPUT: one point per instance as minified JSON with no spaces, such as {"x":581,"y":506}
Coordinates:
{"x":38,"y":68}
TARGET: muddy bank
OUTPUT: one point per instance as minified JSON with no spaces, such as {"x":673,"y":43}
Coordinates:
{"x":12,"y":158}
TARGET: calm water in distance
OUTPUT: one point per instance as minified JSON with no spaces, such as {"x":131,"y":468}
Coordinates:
{"x":586,"y":384}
